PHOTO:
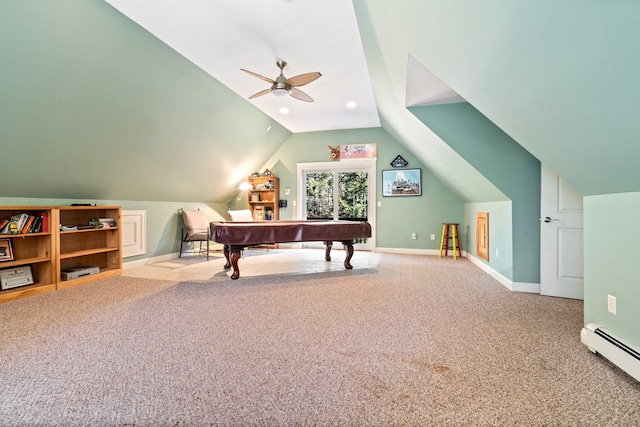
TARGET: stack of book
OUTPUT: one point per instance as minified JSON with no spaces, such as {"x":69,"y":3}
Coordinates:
{"x":25,"y":223}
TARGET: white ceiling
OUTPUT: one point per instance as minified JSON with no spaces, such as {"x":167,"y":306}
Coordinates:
{"x":223,"y":36}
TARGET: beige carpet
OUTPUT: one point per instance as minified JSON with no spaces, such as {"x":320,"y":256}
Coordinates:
{"x":412,"y":340}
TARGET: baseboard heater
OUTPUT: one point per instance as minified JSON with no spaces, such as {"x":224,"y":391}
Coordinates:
{"x":600,"y":341}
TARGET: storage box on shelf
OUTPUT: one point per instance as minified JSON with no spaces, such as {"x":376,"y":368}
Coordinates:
{"x":81,"y":250}
{"x":264,"y":197}
{"x":32,"y":253}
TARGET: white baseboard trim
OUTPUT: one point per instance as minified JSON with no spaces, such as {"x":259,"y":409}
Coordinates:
{"x":407,"y":251}
{"x":160,"y":258}
{"x":145,"y":261}
{"x":532,"y":288}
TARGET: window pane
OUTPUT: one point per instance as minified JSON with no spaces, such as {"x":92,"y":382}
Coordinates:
{"x":353,"y":201}
{"x":320,"y":195}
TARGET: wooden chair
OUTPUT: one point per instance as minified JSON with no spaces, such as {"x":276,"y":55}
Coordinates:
{"x":196,"y":229}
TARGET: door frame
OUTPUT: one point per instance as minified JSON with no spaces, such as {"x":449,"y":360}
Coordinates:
{"x":361,"y":165}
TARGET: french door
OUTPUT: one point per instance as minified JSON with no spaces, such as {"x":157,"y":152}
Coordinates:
{"x":338,"y":192}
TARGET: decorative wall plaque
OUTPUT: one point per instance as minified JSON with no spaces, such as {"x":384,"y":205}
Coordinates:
{"x":399,"y":162}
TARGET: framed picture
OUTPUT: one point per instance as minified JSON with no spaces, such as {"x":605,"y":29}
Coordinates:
{"x":358,"y":151}
{"x":401,"y":182}
{"x":15,"y":277}
{"x":6,"y":251}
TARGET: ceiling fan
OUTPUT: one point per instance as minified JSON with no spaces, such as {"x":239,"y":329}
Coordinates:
{"x":283,"y":86}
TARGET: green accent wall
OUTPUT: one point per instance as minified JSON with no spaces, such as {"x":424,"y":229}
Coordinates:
{"x":506,"y":164}
{"x":398,"y":217}
{"x":94,"y":106}
{"x":500,"y":234}
{"x":164,"y":223}
{"x":610,"y":244}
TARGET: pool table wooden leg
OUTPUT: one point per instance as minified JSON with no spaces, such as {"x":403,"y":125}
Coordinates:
{"x":232,"y":255}
{"x":327,"y":250}
{"x":348,"y":248}
{"x":235,"y":256}
{"x":226,"y":256}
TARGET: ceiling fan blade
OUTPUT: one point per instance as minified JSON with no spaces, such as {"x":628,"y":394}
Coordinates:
{"x":303,"y":79}
{"x":266,"y":79}
{"x":262,"y":92}
{"x":298,"y":94}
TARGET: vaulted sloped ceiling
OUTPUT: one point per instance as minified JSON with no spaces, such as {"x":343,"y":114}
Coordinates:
{"x":94,"y":107}
{"x":103,"y":109}
{"x":559,"y":77}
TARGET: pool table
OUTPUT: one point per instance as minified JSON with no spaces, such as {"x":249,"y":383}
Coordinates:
{"x":237,"y":236}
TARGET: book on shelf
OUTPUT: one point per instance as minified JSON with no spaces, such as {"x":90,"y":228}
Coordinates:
{"x":268,"y":214}
{"x":27,"y":225}
{"x":15,"y":224}
{"x":44,"y":227}
{"x":36,"y":226}
{"x":3,"y":225}
{"x":258,"y":213}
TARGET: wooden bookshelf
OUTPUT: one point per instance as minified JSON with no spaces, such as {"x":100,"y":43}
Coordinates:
{"x":264,"y":195}
{"x":51,"y":251}
{"x":90,"y":247}
{"x":33,"y":251}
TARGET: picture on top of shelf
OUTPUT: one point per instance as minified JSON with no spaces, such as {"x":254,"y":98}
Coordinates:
{"x":6,"y":251}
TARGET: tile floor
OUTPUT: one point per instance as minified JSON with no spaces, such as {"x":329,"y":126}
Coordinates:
{"x":254,"y":262}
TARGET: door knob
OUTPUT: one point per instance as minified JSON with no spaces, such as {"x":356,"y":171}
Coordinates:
{"x":548,"y":219}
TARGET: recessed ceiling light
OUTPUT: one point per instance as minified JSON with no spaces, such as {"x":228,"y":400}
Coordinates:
{"x":351,"y":104}
{"x":284,"y":110}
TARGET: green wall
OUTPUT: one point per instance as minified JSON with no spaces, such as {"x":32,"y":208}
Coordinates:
{"x":500,"y":234}
{"x":610,"y":243}
{"x":398,"y":217}
{"x":506,"y":164}
{"x":164,"y":223}
{"x":94,"y":106}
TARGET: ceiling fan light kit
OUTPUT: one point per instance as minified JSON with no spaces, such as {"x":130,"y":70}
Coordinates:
{"x":283,"y":86}
{"x":281,"y":92}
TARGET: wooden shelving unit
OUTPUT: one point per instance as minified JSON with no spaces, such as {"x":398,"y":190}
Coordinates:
{"x":265,"y":193}
{"x":33,"y":250}
{"x":91,"y":247}
{"x":51,"y":251}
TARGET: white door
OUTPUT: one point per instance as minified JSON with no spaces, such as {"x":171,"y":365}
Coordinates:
{"x":561,"y":238}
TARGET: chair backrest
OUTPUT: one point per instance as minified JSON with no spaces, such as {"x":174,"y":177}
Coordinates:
{"x":241,"y":215}
{"x":196,"y":222}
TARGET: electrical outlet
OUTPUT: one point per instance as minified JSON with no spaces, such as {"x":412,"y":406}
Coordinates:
{"x":379,"y":203}
{"x":611,"y":304}
{"x":413,"y":236}
{"x":497,"y":253}
{"x":433,"y":237}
